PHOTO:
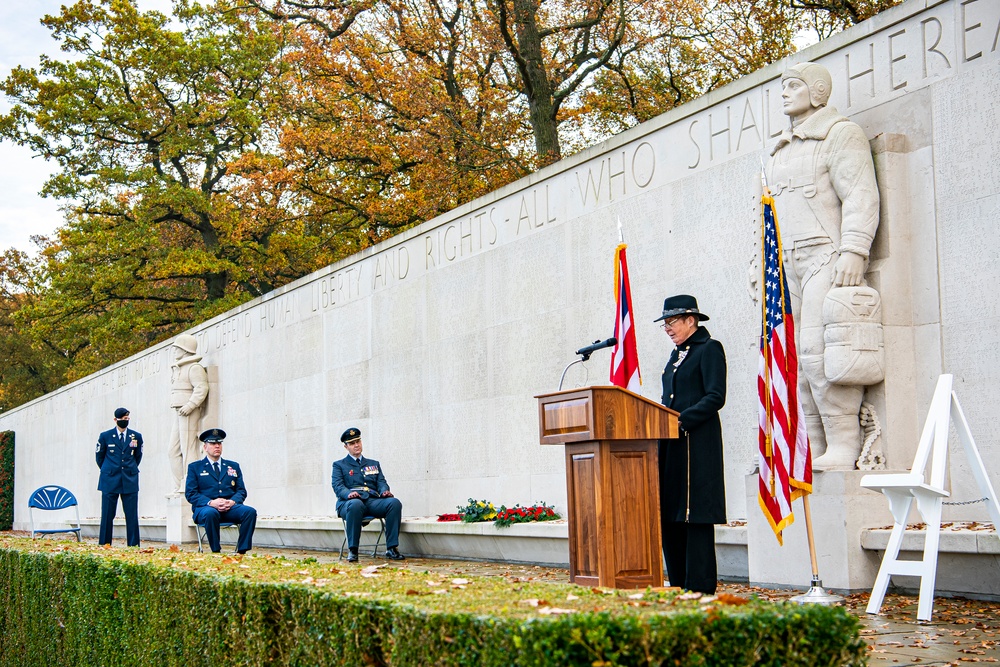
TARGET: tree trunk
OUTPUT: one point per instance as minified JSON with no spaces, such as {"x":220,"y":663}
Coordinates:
{"x":215,"y":285}
{"x":536,"y":83}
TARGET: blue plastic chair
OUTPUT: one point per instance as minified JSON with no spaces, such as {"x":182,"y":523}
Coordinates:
{"x":52,"y":498}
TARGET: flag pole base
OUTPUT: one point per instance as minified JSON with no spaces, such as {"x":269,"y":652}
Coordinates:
{"x":817,"y":595}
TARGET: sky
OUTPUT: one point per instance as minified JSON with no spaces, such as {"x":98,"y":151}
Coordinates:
{"x":23,"y":39}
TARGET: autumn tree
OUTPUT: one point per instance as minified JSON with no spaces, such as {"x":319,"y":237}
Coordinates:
{"x":396,"y":115}
{"x":697,"y":46}
{"x":30,"y":365}
{"x":565,"y":73}
{"x":840,"y":14}
{"x":159,"y":126}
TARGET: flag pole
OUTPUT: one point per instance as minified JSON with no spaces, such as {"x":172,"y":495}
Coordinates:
{"x":816,"y":593}
{"x":621,"y":236}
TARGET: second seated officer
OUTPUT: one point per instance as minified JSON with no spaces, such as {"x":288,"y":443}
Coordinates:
{"x":362,"y":491}
{"x":692,"y":476}
{"x":119,"y":453}
{"x":216,"y":492}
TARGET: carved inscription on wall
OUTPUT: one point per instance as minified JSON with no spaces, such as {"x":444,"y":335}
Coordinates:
{"x":899,"y":59}
{"x":910,"y":54}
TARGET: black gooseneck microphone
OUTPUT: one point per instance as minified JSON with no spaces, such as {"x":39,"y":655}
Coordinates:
{"x":585,"y":352}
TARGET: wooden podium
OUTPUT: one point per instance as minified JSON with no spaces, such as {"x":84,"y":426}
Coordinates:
{"x":612,"y":481}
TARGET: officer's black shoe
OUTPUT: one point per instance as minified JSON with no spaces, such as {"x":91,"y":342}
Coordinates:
{"x":392,"y":553}
{"x":352,"y":557}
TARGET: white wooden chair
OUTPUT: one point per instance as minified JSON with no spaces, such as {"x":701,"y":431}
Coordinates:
{"x":901,"y":489}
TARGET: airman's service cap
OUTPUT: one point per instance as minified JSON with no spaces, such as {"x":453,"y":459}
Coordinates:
{"x":213,"y":435}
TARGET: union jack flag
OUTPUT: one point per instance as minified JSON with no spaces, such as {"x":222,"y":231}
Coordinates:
{"x":625,"y":357}
{"x":785,"y":457}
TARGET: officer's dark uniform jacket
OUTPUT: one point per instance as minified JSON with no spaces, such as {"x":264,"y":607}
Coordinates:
{"x":119,"y":463}
{"x":692,"y":477}
{"x":365,"y":477}
{"x":204,"y":486}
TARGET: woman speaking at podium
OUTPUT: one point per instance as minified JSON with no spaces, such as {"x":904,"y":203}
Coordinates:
{"x":692,"y":477}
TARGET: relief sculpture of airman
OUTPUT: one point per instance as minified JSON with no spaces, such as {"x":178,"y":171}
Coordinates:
{"x":822,"y":177}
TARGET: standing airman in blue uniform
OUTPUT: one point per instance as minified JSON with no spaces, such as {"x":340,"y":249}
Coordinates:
{"x":119,"y":452}
{"x":362,"y":491}
{"x":216,"y":492}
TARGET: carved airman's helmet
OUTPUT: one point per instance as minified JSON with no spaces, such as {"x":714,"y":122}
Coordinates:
{"x":817,"y":79}
{"x":186,"y":342}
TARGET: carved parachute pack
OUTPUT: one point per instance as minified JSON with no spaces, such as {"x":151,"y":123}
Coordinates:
{"x":852,"y":332}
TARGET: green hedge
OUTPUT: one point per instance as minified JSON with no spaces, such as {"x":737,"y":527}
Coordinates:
{"x":84,"y":609}
{"x":6,"y":480}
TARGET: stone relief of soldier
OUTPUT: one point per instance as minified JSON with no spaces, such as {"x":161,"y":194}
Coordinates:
{"x":822,"y":177}
{"x":188,"y":391}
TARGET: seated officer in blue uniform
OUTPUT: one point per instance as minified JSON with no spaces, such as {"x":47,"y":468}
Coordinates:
{"x":362,"y":491}
{"x":119,"y":452}
{"x":216,"y":492}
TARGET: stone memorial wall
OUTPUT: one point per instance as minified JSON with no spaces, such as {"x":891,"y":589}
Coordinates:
{"x":435,"y":342}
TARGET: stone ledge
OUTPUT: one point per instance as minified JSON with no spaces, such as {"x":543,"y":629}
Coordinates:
{"x":953,"y":540}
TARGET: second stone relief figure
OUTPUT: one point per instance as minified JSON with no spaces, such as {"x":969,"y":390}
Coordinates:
{"x":822,"y":178}
{"x":188,"y":391}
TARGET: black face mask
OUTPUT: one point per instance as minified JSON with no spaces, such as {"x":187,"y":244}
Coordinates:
{"x":122,"y":423}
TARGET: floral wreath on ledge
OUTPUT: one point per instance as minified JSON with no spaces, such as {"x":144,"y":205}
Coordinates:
{"x":477,"y":511}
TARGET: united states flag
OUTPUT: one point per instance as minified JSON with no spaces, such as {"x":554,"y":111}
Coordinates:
{"x":785,"y":459}
{"x":625,"y":357}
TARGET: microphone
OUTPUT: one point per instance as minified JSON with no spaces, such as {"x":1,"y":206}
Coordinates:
{"x":585,"y":352}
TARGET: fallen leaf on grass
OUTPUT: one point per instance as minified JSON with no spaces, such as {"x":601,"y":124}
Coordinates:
{"x":736,"y":601}
{"x":556,"y":610}
{"x":459,"y":582}
{"x":534,"y":602}
{"x":371,"y":570}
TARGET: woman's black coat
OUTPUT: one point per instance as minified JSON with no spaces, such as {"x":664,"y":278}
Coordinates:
{"x":692,"y":476}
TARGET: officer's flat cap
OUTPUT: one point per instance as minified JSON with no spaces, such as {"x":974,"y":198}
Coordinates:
{"x":212,"y":435}
{"x":120,"y":412}
{"x":350,"y":435}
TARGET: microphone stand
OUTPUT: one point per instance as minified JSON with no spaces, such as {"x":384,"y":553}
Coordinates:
{"x":585,"y":353}
{"x":583,"y":357}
